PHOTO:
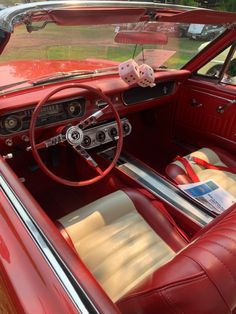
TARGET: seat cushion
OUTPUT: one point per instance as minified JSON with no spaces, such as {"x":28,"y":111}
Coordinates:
{"x":115,"y":242}
{"x":217,"y":157}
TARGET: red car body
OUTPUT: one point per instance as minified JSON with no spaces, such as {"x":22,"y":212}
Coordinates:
{"x":39,"y":273}
{"x":15,"y":71}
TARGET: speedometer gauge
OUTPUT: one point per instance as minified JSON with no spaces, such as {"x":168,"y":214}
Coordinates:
{"x":12,"y":123}
{"x":74,"y":108}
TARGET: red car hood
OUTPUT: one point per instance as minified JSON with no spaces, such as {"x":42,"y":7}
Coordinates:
{"x":16,"y":71}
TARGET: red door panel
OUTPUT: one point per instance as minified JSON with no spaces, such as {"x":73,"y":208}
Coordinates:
{"x":206,"y":115}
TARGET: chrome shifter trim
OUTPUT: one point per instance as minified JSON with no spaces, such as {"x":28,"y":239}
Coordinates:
{"x":161,"y":188}
{"x":104,"y":129}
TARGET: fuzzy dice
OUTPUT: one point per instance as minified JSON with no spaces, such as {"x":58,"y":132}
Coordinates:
{"x":147,"y":77}
{"x":129,"y":71}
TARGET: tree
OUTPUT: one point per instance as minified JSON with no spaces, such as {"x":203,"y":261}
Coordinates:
{"x":187,"y":2}
{"x":210,"y":4}
{"x":230,"y":5}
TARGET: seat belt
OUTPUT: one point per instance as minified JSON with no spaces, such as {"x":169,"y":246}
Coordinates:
{"x":187,"y":165}
{"x":207,"y":165}
{"x":188,"y":168}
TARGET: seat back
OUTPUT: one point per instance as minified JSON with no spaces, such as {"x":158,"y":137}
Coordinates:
{"x":200,"y":279}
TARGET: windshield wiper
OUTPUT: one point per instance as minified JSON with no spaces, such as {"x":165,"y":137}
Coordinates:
{"x":49,"y":78}
{"x":64,"y":75}
{"x":60,"y":75}
{"x":12,"y":85}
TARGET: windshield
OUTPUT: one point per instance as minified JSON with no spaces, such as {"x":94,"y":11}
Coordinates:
{"x":94,"y":47}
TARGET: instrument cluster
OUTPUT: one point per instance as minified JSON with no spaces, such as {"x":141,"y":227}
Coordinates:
{"x":52,"y":113}
{"x":104,"y":133}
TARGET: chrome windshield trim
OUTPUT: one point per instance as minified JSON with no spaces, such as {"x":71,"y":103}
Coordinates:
{"x":49,"y":253}
{"x":14,"y":15}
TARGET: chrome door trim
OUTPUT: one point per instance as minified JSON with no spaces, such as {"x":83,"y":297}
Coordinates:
{"x":213,"y":95}
{"x":54,"y":260}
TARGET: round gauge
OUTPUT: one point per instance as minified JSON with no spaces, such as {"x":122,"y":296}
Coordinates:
{"x":113,"y":132}
{"x":12,"y":123}
{"x":74,"y":108}
{"x":126,"y":127}
{"x":100,"y":136}
{"x":86,"y":141}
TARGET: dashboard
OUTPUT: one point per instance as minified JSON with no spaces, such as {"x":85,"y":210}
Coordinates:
{"x":15,"y":120}
{"x":16,"y":123}
{"x":52,"y":113}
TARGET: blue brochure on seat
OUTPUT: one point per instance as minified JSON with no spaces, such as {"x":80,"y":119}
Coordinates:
{"x":210,"y":194}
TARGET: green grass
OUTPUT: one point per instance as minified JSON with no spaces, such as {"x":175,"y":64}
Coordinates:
{"x":77,"y":43}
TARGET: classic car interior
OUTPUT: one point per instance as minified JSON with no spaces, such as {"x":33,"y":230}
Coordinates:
{"x":97,"y":163}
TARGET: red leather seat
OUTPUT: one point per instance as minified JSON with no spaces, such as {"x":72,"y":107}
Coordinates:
{"x":196,"y":277}
{"x":215,"y":157}
{"x":121,"y":235}
{"x":201,"y":278}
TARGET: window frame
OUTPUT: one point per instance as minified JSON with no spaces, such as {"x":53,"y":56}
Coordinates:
{"x":227,"y":61}
{"x":224,"y":68}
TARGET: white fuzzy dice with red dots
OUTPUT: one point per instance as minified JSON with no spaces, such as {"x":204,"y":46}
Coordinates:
{"x":147,"y":77}
{"x":129,"y":71}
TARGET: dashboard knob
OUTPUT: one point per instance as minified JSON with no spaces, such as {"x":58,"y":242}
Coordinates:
{"x":25,"y":138}
{"x":9,"y":142}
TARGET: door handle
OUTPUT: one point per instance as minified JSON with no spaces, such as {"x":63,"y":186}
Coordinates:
{"x":195,"y":103}
{"x":221,"y":109}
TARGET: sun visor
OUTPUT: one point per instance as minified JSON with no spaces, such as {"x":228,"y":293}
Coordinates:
{"x":96,"y":16}
{"x":199,"y":16}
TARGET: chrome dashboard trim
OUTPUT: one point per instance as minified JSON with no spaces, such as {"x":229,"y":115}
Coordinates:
{"x":55,"y":262}
{"x":105,"y":128}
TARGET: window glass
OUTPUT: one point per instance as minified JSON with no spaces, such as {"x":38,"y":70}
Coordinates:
{"x":213,"y":67}
{"x":230,"y":72}
{"x":97,"y":42}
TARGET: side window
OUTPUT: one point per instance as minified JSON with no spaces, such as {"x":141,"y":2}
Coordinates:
{"x":214,"y":67}
{"x":229,"y":76}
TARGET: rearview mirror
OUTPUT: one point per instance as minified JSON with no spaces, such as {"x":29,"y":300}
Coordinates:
{"x":141,"y":38}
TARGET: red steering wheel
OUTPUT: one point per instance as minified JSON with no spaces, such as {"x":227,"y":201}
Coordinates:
{"x":73,"y":135}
